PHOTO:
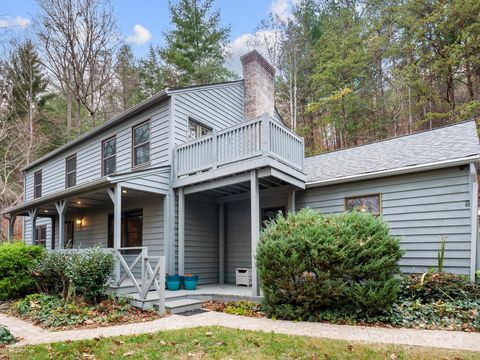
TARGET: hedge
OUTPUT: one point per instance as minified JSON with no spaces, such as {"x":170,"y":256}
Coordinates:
{"x":309,"y":263}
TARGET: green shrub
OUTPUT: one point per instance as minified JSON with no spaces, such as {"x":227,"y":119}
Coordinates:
{"x":84,"y":272}
{"x":16,"y":261}
{"x":309,"y":262}
{"x":6,"y":336}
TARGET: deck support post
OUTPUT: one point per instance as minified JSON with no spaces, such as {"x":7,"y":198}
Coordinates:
{"x":32,"y":214}
{"x":167,"y":219}
{"x":181,"y":232}
{"x":291,"y":201}
{"x":61,"y":207}
{"x":255,"y":228}
{"x":221,"y":243}
{"x":116,"y":196}
{"x":11,"y":227}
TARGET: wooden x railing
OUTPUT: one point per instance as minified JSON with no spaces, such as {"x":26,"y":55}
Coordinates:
{"x":150,"y":275}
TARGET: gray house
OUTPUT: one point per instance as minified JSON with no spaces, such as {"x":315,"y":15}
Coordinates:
{"x":190,"y":174}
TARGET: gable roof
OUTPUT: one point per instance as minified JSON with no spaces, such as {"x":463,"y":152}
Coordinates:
{"x":445,"y":146}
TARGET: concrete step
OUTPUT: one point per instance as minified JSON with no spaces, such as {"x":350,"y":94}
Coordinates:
{"x":183,"y":305}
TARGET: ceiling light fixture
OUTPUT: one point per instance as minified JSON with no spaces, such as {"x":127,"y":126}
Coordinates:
{"x":124,"y":191}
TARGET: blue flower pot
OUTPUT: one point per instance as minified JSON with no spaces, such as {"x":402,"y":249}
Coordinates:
{"x":190,"y":282}
{"x":174,"y":282}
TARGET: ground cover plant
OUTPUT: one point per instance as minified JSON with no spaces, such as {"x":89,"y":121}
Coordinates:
{"x":16,"y":260}
{"x":6,"y":336}
{"x":223,"y":343}
{"x":54,"y":313}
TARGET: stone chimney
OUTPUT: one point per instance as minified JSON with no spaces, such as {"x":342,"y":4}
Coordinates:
{"x":259,"y":82}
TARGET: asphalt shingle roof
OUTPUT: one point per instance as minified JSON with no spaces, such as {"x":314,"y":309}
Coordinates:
{"x":441,"y":144}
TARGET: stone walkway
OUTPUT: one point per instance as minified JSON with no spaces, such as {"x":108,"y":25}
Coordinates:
{"x":31,"y":334}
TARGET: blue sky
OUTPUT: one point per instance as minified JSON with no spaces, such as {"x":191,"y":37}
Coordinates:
{"x":143,"y":22}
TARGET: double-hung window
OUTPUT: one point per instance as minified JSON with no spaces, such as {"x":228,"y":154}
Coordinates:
{"x":41,"y":235}
{"x":196,"y":130}
{"x":37,"y":184}
{"x":71,"y":171}
{"x":109,"y":156}
{"x":365,"y":203}
{"x":141,"y":144}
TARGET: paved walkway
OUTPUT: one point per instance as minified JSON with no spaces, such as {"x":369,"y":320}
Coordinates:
{"x":31,"y":334}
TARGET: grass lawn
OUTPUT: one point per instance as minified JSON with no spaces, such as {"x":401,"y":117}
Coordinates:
{"x":219,"y":343}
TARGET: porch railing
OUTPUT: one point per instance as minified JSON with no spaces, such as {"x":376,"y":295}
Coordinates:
{"x":150,"y":275}
{"x":261,"y":136}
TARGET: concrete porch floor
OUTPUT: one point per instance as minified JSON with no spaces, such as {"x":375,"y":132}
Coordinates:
{"x":213,"y":290}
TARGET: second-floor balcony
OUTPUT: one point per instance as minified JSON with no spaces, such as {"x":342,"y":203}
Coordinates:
{"x":259,"y":138}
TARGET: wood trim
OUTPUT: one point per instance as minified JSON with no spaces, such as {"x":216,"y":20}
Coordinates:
{"x":133,"y":146}
{"x":101,"y":155}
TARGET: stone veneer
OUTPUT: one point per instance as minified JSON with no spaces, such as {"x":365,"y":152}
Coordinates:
{"x":259,"y":78}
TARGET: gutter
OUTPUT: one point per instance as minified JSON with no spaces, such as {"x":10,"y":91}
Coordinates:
{"x":396,"y":171}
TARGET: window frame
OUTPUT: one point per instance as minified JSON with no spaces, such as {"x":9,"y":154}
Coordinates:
{"x":378,"y":195}
{"x":114,"y":137}
{"x":200,"y":125}
{"x":135,"y":146}
{"x":38,"y":233}
{"x":124,"y":228}
{"x":37,"y":185}
{"x":67,"y":185}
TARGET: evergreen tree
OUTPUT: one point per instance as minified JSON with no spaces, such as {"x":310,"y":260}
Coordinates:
{"x":127,"y":77}
{"x":152,"y":74}
{"x":196,"y":46}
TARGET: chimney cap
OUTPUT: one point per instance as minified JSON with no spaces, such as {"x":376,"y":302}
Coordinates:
{"x":254,"y":55}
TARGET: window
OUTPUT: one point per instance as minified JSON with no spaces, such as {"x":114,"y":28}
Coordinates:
{"x":37,"y":184}
{"x":141,"y":144}
{"x":109,"y":156}
{"x":196,"y":130}
{"x":364,"y":203}
{"x":41,"y":235}
{"x":71,"y":171}
{"x":69,"y":230}
{"x":269,"y":214}
{"x":131,"y":229}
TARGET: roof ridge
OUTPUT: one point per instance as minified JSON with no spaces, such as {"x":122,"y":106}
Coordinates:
{"x":394,"y":138}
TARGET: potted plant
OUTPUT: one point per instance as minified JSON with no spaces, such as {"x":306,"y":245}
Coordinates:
{"x":190,"y":281}
{"x":173,"y":282}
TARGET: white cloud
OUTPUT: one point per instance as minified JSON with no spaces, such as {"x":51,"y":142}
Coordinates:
{"x":141,"y":35}
{"x":282,"y":9}
{"x":264,"y":41}
{"x":18,"y":21}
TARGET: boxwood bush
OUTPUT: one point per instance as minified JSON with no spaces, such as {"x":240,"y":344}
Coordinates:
{"x":16,"y":261}
{"x":309,"y":263}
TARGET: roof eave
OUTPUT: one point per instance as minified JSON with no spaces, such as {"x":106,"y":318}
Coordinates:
{"x":396,"y":171}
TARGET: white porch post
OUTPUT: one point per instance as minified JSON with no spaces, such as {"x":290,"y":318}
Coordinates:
{"x":61,"y":207}
{"x":255,"y":220}
{"x":181,"y":232}
{"x":116,"y":196}
{"x":221,"y":243}
{"x":166,"y":232}
{"x":11,"y":226}
{"x":291,"y":201}
{"x":32,"y":214}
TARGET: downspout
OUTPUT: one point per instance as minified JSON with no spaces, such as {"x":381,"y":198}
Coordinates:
{"x":474,"y":255}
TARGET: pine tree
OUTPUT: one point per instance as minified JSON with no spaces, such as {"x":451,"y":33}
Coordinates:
{"x":127,"y":76}
{"x":196,"y":45}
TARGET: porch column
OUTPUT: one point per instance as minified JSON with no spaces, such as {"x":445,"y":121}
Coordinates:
{"x":116,"y":196}
{"x":61,"y":207}
{"x":291,"y":201}
{"x":32,"y":214}
{"x":166,"y":232}
{"x":11,"y":226}
{"x":255,"y":224}
{"x":181,"y":232}
{"x":221,"y":243}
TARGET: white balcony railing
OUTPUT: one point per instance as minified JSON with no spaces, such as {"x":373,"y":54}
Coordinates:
{"x":262,"y":136}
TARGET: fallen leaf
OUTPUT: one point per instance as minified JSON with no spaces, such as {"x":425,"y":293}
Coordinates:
{"x":163,"y":342}
{"x":129,"y":353}
{"x":209,"y":333}
{"x":393,"y":356}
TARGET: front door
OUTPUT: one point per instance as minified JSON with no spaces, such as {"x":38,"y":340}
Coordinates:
{"x":69,"y":230}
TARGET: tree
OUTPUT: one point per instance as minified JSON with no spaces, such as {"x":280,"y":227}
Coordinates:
{"x":127,"y":77}
{"x":196,"y":45}
{"x":152,"y":74}
{"x":79,"y":40}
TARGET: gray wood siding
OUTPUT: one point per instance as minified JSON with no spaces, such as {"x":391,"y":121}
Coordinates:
{"x":218,"y":107}
{"x":89,"y":152}
{"x":201,"y":238}
{"x":238,"y":248}
{"x":420,"y":208}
